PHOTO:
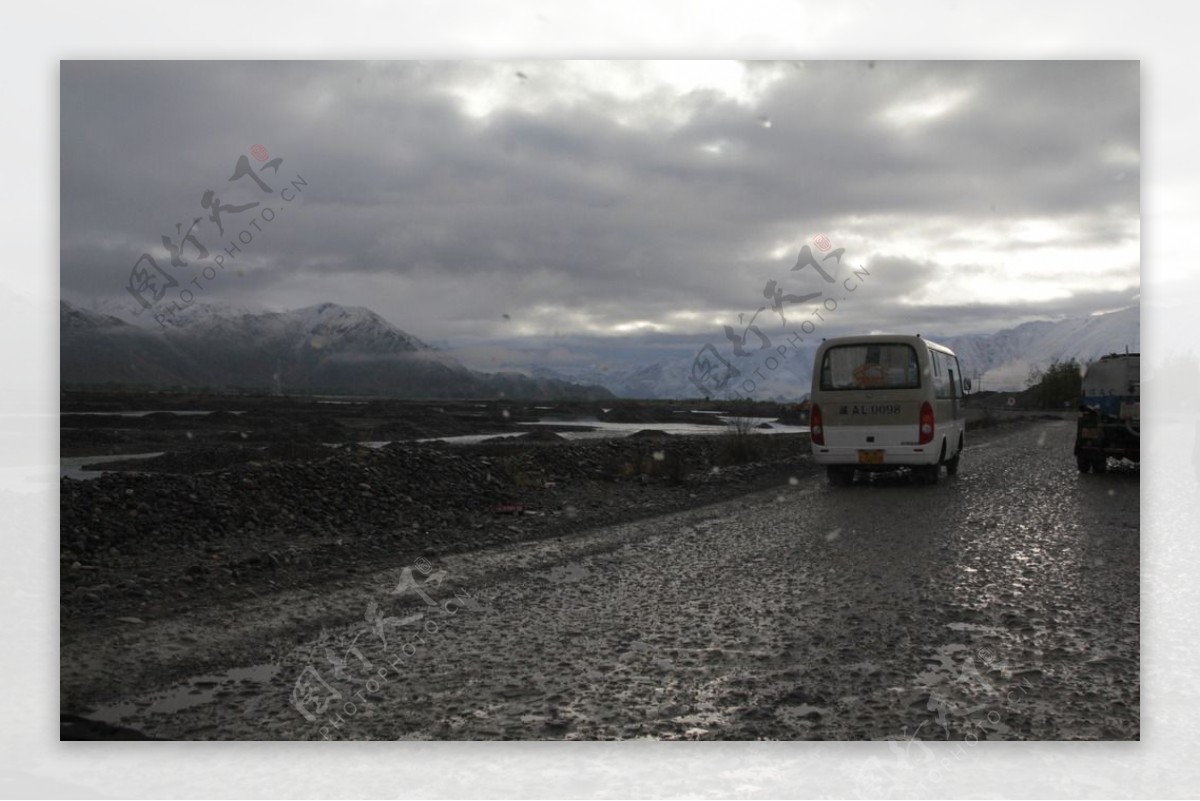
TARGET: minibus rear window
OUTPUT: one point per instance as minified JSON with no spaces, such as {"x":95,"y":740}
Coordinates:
{"x":885,"y":365}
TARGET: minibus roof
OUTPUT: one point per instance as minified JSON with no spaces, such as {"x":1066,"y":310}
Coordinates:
{"x":867,"y":339}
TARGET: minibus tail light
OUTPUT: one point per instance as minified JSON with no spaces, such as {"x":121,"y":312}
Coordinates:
{"x":925,"y":433}
{"x":816,"y":427}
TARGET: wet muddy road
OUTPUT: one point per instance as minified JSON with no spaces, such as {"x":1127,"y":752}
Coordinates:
{"x":999,"y":604}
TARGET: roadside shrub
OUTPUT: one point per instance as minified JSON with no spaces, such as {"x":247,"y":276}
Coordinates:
{"x":738,"y":448}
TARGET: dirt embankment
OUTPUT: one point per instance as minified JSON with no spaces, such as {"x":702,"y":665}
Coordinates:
{"x":211,"y":525}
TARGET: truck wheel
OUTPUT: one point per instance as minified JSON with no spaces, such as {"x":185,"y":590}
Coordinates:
{"x":1100,"y":464}
{"x":1083,"y":463}
{"x":840,"y":476}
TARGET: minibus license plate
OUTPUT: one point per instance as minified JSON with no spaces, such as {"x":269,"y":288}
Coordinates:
{"x":870,"y":457}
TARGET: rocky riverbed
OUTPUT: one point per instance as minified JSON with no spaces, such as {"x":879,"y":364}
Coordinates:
{"x":186,"y":532}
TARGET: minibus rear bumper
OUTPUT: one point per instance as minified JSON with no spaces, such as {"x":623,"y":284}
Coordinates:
{"x":885,"y":458}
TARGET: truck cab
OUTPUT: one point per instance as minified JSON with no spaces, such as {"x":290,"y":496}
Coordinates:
{"x":1109,"y":422}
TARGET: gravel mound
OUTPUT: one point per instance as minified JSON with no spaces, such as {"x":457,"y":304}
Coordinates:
{"x":228,"y":523}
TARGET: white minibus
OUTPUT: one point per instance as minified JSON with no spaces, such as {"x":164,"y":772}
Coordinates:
{"x":882,"y":402}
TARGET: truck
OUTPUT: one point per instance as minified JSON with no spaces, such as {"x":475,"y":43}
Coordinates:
{"x":1109,"y":423}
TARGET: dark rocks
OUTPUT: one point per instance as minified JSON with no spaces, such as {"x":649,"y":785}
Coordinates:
{"x":228,"y":531}
{"x":649,"y":433}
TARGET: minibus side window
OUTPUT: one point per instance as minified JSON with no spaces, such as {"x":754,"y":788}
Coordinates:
{"x":941,"y":381}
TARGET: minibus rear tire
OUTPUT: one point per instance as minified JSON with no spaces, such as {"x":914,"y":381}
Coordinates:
{"x":952,"y":465}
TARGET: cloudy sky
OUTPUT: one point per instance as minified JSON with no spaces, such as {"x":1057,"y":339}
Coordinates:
{"x":559,"y":211}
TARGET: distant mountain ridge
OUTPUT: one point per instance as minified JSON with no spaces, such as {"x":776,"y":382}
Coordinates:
{"x":324,"y":348}
{"x":999,"y":361}
{"x":1002,"y":361}
{"x":335,"y":349}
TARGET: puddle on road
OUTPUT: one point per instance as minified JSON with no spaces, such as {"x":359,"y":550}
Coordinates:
{"x":195,"y":691}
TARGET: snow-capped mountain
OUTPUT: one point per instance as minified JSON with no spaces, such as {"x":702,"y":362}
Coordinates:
{"x":333,"y":348}
{"x":999,"y":361}
{"x":100,"y":348}
{"x":672,"y":378}
{"x":322,"y":348}
{"x":1002,"y":361}
{"x":325,"y":325}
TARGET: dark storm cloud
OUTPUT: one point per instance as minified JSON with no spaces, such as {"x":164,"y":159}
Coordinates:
{"x":571,"y":204}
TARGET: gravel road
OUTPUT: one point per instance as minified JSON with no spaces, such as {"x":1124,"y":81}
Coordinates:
{"x":1002,"y":603}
